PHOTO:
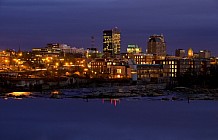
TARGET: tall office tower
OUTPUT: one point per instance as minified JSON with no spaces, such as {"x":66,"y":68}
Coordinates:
{"x":180,"y":53}
{"x":204,"y":54}
{"x":111,"y":42}
{"x":156,"y":45}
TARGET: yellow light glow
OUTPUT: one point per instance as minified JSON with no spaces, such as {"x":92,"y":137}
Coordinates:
{"x":16,"y":94}
{"x":67,"y":73}
{"x":56,"y":92}
{"x":190,"y":52}
{"x":119,"y":71}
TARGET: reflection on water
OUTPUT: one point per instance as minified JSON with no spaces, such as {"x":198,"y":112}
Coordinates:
{"x":112,"y":101}
{"x":55,"y":92}
{"x":74,"y":119}
{"x":18,"y":94}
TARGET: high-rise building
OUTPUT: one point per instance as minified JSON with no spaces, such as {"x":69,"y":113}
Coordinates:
{"x":156,"y":45}
{"x":180,"y":53}
{"x":190,"y":53}
{"x":111,"y":42}
{"x":204,"y":54}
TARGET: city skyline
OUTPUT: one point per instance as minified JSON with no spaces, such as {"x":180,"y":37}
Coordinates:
{"x":186,"y":24}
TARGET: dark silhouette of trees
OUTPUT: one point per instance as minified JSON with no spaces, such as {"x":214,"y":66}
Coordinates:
{"x":203,"y":80}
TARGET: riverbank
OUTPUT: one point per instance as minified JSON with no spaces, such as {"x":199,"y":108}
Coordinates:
{"x":119,"y":91}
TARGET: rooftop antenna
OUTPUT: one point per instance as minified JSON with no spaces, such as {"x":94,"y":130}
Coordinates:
{"x":92,"y":41}
{"x":19,"y":50}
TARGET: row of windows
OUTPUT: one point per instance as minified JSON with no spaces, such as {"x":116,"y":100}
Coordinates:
{"x":173,"y":66}
{"x":169,"y":62}
{"x":139,"y":56}
{"x":170,"y":75}
{"x":97,"y":64}
{"x":148,"y":75}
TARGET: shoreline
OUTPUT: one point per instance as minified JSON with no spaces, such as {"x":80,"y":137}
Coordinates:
{"x":123,"y":91}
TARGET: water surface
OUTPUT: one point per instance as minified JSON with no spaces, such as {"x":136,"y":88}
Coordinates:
{"x":67,"y":119}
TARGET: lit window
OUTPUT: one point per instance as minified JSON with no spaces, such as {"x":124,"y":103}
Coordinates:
{"x":119,"y":71}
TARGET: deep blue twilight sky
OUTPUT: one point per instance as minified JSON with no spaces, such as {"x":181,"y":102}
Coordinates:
{"x":34,"y":23}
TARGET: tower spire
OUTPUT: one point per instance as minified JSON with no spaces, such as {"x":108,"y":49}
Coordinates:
{"x":92,"y":41}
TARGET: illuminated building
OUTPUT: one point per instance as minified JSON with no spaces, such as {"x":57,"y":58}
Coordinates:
{"x":132,"y":48}
{"x":111,"y":68}
{"x":92,"y":53}
{"x":180,"y":53}
{"x":190,"y":53}
{"x":174,"y":67}
{"x":170,"y":67}
{"x":97,"y":67}
{"x":53,"y":48}
{"x":111,"y":42}
{"x":139,"y":58}
{"x":214,"y":61}
{"x":118,"y":69}
{"x":150,"y":72}
{"x":4,"y":60}
{"x":156,"y":45}
{"x":143,"y":58}
{"x":204,"y":54}
{"x":56,"y":50}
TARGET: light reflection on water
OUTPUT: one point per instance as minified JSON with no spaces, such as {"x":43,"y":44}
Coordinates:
{"x":18,"y":94}
{"x":99,"y":119}
{"x":112,"y":101}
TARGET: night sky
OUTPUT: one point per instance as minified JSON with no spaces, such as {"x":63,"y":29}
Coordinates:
{"x":185,"y":24}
